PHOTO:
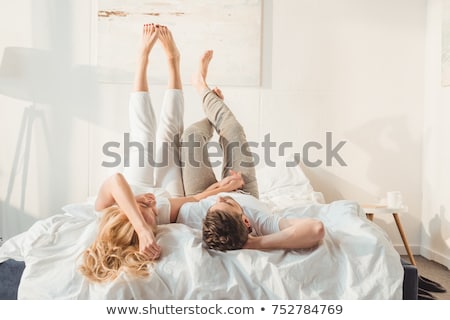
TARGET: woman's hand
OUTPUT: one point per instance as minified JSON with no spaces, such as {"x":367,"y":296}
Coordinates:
{"x":145,"y":199}
{"x":148,"y":245}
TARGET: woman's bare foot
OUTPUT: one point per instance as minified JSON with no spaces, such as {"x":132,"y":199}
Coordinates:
{"x":168,"y":43}
{"x":199,"y":78}
{"x":173,"y":57}
{"x":150,"y":34}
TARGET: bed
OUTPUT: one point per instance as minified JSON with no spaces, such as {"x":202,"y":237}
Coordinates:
{"x":356,"y":259}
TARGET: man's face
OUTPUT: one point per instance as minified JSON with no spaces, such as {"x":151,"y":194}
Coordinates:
{"x":228,"y":204}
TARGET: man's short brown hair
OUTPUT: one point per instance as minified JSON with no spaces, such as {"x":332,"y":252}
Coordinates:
{"x":224,"y":230}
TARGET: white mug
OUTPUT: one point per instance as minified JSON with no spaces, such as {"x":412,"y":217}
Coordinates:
{"x":394,"y":199}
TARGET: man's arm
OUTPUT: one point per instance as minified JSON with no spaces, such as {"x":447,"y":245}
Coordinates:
{"x":294,"y":234}
{"x":233,"y":175}
{"x":226,"y":185}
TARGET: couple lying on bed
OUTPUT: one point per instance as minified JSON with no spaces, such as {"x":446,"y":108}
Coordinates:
{"x":235,"y":219}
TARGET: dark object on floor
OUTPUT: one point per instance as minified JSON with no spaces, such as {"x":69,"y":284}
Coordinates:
{"x":10,"y":274}
{"x":410,"y":281}
{"x":425,"y":295}
{"x":430,"y":285}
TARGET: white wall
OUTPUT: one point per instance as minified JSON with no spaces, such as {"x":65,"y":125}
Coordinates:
{"x":354,"y":68}
{"x":43,"y":87}
{"x":436,"y":155}
{"x":351,"y":67}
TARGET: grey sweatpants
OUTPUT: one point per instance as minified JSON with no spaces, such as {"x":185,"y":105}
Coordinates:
{"x":196,"y":167}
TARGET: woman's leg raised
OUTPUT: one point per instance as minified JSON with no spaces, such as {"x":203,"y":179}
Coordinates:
{"x":138,"y":169}
{"x":167,"y":164}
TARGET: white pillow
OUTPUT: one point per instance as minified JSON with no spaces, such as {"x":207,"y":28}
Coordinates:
{"x":285,"y":185}
{"x":285,"y":173}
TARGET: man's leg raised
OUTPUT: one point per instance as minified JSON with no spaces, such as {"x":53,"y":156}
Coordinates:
{"x":196,"y":167}
{"x":237,"y":155}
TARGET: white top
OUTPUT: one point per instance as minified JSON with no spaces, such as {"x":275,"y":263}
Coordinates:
{"x":262,"y":220}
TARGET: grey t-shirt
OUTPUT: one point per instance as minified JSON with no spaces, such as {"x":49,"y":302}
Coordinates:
{"x":261,"y":218}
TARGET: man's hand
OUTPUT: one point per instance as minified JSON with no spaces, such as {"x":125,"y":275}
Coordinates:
{"x":232,"y":182}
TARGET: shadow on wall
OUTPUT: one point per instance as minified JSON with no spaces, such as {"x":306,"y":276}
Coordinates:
{"x":331,"y":185}
{"x":41,"y":77}
{"x":57,"y":92}
{"x":438,"y":232}
{"x":15,"y":217}
{"x":389,"y":145}
{"x":56,"y":97}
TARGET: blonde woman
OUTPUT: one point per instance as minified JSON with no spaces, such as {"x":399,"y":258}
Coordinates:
{"x":134,"y":203}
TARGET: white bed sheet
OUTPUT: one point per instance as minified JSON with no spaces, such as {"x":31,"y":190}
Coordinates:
{"x":355,"y":261}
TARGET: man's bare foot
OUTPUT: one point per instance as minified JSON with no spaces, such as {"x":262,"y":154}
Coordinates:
{"x":168,"y":43}
{"x":199,"y":78}
{"x":150,"y":34}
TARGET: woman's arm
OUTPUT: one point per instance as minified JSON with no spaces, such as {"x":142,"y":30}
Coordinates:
{"x":115,"y":190}
{"x":294,"y":234}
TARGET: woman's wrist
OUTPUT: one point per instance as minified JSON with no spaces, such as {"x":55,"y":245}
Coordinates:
{"x":140,"y":227}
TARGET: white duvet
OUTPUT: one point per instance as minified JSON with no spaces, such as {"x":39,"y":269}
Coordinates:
{"x":356,"y":260}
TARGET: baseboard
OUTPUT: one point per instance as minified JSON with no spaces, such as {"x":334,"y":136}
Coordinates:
{"x":435,"y":256}
{"x":402,"y":251}
{"x":424,"y":252}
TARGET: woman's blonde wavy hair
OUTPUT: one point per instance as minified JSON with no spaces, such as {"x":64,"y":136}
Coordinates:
{"x":115,"y":249}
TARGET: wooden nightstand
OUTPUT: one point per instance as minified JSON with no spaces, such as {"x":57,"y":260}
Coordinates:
{"x":370,"y":210}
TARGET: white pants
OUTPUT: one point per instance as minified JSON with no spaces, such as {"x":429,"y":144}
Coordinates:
{"x":154,"y":150}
